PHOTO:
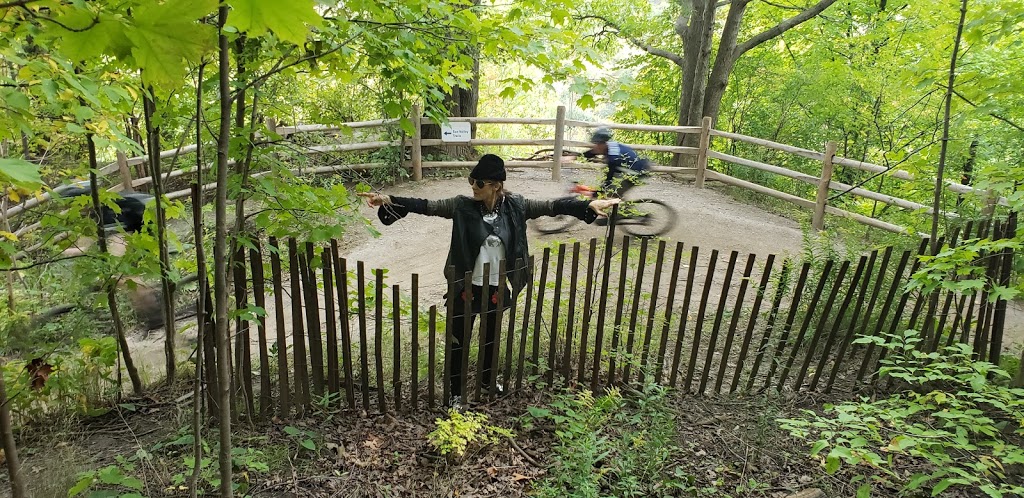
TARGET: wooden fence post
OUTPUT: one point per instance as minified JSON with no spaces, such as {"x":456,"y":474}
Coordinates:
{"x":271,"y":125}
{"x":417,"y":147}
{"x":818,"y":221}
{"x":702,"y":151}
{"x":126,"y":172}
{"x":556,"y":167}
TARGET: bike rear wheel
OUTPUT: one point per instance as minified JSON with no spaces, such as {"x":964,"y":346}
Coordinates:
{"x":555,"y":224}
{"x":646,"y":217}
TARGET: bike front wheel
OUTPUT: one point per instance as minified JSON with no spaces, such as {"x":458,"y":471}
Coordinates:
{"x":646,"y":217}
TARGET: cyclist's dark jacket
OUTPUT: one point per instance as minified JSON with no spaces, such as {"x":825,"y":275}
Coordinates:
{"x":621,"y":159}
{"x":132,"y":205}
{"x":469,"y":230}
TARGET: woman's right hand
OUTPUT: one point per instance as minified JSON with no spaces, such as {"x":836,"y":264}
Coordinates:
{"x":374,"y":199}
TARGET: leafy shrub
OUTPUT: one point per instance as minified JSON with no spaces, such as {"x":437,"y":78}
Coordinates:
{"x":613,"y":446}
{"x":955,"y":426}
{"x":127,"y":477}
{"x":459,"y":431}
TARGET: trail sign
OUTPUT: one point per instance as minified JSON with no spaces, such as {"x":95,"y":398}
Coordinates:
{"x":456,"y":132}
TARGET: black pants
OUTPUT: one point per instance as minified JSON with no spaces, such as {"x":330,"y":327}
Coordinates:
{"x":461,"y":336}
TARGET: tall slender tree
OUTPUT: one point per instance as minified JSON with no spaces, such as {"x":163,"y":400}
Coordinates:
{"x":166,"y":285}
{"x":220,"y":256}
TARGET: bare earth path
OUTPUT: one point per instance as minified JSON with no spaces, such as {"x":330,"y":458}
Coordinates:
{"x":708,"y":219}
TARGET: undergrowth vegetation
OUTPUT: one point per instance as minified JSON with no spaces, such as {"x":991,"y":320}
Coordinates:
{"x":614,"y":444}
{"x":953,"y":423}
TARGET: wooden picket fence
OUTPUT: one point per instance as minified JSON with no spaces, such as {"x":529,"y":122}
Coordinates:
{"x":595,"y":314}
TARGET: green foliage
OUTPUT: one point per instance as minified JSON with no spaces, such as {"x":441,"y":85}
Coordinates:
{"x":256,"y":17}
{"x":613,"y":445}
{"x":128,"y":478}
{"x":245,"y":460}
{"x":19,"y":173}
{"x":461,"y":432}
{"x":296,"y":208}
{"x":81,"y":381}
{"x":109,"y":478}
{"x":963,"y":268}
{"x":956,"y":425}
{"x":303,"y":438}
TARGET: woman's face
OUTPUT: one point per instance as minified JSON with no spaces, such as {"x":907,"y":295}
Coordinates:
{"x":484,"y":189}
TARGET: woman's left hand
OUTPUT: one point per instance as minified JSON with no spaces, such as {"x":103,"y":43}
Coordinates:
{"x":600,"y":205}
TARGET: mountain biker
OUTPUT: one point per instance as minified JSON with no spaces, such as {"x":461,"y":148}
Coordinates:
{"x":625,"y":167}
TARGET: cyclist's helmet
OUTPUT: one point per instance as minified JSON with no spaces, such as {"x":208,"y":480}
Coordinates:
{"x":601,"y":135}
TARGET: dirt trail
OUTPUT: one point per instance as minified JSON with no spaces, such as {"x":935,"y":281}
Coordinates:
{"x":707,"y":219}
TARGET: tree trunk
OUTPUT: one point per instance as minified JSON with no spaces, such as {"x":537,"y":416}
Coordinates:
{"x":166,"y":286}
{"x":243,"y":164}
{"x":697,"y":33}
{"x":940,"y":171}
{"x":18,"y":488}
{"x":725,"y":60}
{"x":220,"y":256}
{"x":10,"y":274}
{"x":110,"y":284}
{"x":702,"y":91}
{"x":460,"y":102}
{"x":202,"y":312}
{"x":933,"y":299}
{"x":967,"y":178}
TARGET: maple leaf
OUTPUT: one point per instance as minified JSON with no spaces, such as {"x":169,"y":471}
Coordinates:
{"x":164,"y":35}
{"x":288,"y":20}
{"x":91,"y":35}
{"x":19,"y":172}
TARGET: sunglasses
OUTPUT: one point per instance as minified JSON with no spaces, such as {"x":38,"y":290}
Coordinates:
{"x":478,"y":183}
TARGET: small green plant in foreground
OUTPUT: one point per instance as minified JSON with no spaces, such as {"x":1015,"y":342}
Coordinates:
{"x":613,"y":445}
{"x":302,"y":437}
{"x":958,"y":427}
{"x":459,"y":431}
{"x":128,"y":478}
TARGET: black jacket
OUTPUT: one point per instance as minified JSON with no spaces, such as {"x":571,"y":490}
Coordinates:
{"x":132,"y":204}
{"x":469,"y":230}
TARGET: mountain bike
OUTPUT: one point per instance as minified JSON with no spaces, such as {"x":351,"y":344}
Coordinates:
{"x":642,"y":217}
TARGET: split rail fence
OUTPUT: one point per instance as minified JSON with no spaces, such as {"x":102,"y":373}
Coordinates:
{"x":595,"y":314}
{"x":128,"y":174}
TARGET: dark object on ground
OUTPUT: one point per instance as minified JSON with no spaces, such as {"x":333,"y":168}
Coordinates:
{"x":132,"y":204}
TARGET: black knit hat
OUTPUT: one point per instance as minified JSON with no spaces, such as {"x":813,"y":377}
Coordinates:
{"x":490,"y":167}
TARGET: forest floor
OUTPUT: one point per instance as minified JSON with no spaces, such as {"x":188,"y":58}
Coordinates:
{"x":722,"y":446}
{"x":728,"y":446}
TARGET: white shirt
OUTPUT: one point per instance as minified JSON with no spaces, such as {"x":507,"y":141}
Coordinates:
{"x":491,"y":251}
